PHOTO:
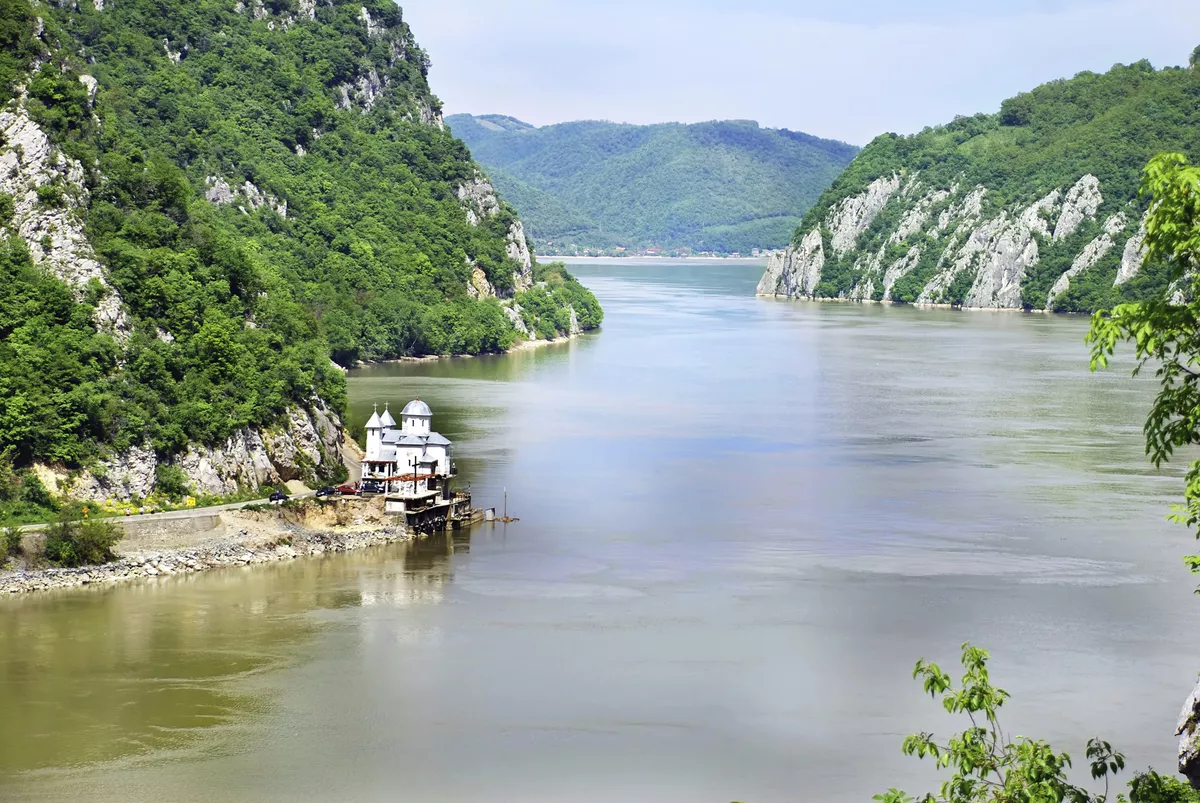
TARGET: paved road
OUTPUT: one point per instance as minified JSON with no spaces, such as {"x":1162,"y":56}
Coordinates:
{"x":188,"y":513}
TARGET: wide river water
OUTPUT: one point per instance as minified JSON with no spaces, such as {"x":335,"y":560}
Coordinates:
{"x":741,"y":523}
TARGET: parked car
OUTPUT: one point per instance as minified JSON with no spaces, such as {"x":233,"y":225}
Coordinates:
{"x":279,"y":496}
{"x":349,"y":489}
{"x":372,"y":487}
{"x":326,"y":492}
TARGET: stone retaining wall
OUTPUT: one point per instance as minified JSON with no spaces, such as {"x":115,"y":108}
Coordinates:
{"x":188,"y":561}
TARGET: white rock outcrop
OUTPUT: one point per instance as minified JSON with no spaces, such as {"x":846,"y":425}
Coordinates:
{"x":852,"y":216}
{"x":479,"y":199}
{"x":900,"y":268}
{"x":1003,"y":264}
{"x":1188,"y":731}
{"x":1092,"y":253}
{"x":479,"y":286}
{"x":248,"y":197}
{"x":995,"y":250}
{"x":49,"y":197}
{"x":363,"y":92}
{"x":374,"y":29}
{"x":795,"y":272}
{"x":517,"y":248}
{"x":513,"y":311}
{"x":296,"y":449}
{"x":1135,"y":252}
{"x":1081,"y":204}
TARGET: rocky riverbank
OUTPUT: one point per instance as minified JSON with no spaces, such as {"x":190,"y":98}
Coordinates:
{"x":244,"y":539}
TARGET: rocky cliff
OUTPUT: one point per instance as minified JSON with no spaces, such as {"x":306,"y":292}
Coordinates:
{"x":1035,"y":207}
{"x":200,"y":205}
{"x":957,"y":254}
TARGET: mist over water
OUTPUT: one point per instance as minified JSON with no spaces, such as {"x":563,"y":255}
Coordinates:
{"x":742,"y":522}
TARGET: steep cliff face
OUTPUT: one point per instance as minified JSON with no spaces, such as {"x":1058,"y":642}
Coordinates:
{"x":303,"y":445}
{"x":481,"y":203}
{"x":1036,"y":207}
{"x":948,"y":252}
{"x":49,"y":202}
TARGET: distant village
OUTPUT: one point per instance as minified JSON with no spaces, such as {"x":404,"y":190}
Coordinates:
{"x":570,"y":250}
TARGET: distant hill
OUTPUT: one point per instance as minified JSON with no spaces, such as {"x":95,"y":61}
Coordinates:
{"x":721,"y":186}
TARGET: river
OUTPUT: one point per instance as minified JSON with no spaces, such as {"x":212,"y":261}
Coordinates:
{"x":741,"y":523}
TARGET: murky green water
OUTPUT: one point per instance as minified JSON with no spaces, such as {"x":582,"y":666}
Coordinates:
{"x":741,"y":523}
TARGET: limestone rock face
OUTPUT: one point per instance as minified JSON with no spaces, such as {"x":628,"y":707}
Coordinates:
{"x":1135,"y":252}
{"x":363,"y":91}
{"x":1091,"y":254}
{"x":518,"y":251}
{"x":296,"y":449}
{"x":1082,"y":202}
{"x":513,"y":311}
{"x":480,"y":202}
{"x":1188,"y":731}
{"x":852,"y":216}
{"x":1003,"y":263}
{"x":480,"y":287}
{"x":374,"y":29}
{"x":900,"y":268}
{"x":795,"y":272}
{"x":479,"y":199}
{"x":52,"y":227}
{"x":955,"y":240}
{"x":124,"y":476}
{"x":248,"y":197}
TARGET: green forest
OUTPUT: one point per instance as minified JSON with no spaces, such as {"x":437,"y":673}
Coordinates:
{"x":726,"y":186}
{"x":340,"y":235}
{"x":1108,"y":125}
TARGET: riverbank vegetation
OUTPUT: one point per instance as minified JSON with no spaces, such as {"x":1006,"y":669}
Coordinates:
{"x":989,"y":765}
{"x":546,"y":308}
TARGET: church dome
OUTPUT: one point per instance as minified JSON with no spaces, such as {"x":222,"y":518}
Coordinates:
{"x":417,"y":408}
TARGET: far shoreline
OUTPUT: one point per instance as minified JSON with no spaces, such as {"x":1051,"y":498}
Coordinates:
{"x":635,"y":258}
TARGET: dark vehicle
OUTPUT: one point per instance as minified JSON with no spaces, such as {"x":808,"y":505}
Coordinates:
{"x":326,"y":492}
{"x":372,"y":487}
{"x":349,"y":489}
{"x":279,"y":496}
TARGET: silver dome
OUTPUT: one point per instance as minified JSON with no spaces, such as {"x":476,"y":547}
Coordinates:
{"x":417,"y":408}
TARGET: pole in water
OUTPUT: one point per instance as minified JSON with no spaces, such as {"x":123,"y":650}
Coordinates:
{"x":506,"y":503}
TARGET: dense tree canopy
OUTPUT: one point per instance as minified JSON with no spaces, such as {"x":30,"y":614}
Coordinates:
{"x":719,"y":186}
{"x":1108,"y":125}
{"x":263,"y":189}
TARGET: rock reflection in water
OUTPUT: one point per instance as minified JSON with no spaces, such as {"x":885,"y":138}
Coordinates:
{"x":156,"y":667}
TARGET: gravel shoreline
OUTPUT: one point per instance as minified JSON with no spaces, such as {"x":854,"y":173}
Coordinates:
{"x":297,"y":543}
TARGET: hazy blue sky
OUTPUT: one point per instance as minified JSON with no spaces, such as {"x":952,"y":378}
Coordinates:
{"x":847,"y":70}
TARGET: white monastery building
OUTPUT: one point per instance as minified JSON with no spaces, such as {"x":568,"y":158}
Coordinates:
{"x":413,"y":452}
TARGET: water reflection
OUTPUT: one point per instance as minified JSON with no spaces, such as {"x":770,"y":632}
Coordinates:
{"x":741,"y":522}
{"x":168,"y":666}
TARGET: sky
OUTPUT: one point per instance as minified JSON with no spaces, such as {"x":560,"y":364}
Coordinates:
{"x":847,"y":70}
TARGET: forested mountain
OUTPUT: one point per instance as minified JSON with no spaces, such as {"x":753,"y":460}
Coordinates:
{"x":200,"y":202}
{"x":720,"y":186}
{"x":1033,"y":207}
